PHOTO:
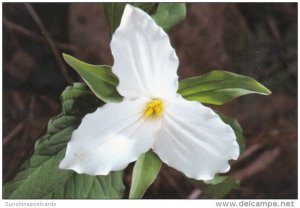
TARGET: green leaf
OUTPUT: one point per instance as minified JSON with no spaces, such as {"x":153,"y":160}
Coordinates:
{"x":219,"y":87}
{"x":40,"y":177}
{"x":144,"y":173}
{"x":166,"y":15}
{"x":218,"y":187}
{"x":236,"y":128}
{"x":114,"y":12}
{"x":150,"y":8}
{"x":99,"y":78}
{"x":169,"y":14}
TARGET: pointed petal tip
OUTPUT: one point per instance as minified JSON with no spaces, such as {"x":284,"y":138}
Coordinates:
{"x":129,"y":11}
{"x":79,"y":170}
{"x":211,"y":175}
{"x":129,"y":7}
{"x":62,"y":165}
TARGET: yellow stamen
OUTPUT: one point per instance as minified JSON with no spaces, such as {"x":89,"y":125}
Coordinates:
{"x":155,"y":107}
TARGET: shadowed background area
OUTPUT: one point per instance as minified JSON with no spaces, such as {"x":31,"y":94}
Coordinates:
{"x":258,"y":40}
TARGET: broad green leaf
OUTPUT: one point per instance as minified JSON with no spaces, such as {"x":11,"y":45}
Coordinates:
{"x":150,"y":8}
{"x":99,"y":78}
{"x":169,"y":14}
{"x":40,"y":177}
{"x":236,"y":128}
{"x":219,"y":87}
{"x":218,"y":187}
{"x":114,"y":12}
{"x":144,"y":173}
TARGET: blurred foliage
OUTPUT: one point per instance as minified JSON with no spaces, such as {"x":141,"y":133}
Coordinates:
{"x":269,"y":50}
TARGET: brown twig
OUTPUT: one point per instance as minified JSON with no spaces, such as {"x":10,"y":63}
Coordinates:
{"x":45,"y":100}
{"x":13,"y":133}
{"x":49,"y":40}
{"x":20,"y":29}
{"x":32,"y":106}
{"x":15,"y":42}
{"x":258,"y":165}
{"x":18,"y":100}
{"x":250,"y":151}
{"x":275,"y":31}
{"x":195,"y":194}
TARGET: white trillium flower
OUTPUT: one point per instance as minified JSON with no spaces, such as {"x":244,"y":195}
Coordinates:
{"x":185,"y":134}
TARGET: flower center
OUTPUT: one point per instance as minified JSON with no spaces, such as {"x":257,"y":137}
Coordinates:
{"x":154,"y":108}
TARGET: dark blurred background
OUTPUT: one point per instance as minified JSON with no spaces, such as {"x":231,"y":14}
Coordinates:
{"x":254,"y":39}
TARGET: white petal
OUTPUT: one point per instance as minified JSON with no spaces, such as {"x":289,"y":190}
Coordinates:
{"x":144,"y":61}
{"x":195,"y":141}
{"x":110,"y":138}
